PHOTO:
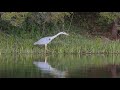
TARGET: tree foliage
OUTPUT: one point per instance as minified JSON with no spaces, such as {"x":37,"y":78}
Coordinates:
{"x":15,"y":18}
{"x":110,"y":16}
{"x":87,"y":20}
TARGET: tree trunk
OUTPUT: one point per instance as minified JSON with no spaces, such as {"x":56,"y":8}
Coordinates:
{"x":114,"y":29}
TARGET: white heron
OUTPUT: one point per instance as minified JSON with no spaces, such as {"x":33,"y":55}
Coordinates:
{"x":46,"y":40}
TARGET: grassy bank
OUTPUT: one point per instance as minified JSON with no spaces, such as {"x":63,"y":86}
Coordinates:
{"x":74,"y":43}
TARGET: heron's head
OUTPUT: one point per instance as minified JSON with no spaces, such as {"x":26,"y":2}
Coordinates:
{"x":64,"y":33}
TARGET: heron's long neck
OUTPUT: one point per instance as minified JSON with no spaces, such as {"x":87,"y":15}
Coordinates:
{"x":55,"y":35}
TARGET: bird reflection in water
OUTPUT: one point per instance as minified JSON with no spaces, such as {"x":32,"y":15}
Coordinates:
{"x":45,"y":67}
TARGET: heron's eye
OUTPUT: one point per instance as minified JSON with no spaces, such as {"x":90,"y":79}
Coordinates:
{"x":49,"y":38}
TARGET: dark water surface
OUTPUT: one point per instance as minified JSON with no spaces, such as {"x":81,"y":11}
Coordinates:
{"x":59,"y":66}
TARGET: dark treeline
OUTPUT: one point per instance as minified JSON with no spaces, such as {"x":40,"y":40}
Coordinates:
{"x":94,"y":22}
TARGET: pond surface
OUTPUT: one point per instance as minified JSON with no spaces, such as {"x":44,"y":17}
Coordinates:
{"x":59,"y":66}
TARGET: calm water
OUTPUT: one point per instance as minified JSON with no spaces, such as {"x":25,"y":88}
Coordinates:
{"x":59,"y":66}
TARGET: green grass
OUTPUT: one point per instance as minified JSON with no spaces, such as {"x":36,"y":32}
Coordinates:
{"x":75,"y":43}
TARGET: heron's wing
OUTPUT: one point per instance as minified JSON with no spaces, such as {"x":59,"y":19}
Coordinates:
{"x":44,"y":40}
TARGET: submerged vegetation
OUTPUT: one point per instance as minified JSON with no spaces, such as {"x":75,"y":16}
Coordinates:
{"x":20,"y":30}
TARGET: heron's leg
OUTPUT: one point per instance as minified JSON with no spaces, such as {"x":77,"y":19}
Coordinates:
{"x":45,"y":59}
{"x":45,"y":48}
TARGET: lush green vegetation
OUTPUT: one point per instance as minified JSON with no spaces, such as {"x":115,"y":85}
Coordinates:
{"x":20,"y":30}
{"x":75,"y":43}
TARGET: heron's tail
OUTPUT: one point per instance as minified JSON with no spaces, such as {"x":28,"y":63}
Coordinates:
{"x":35,"y":43}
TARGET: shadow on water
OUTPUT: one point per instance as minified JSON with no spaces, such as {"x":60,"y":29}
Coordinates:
{"x":46,"y":68}
{"x":59,"y":66}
